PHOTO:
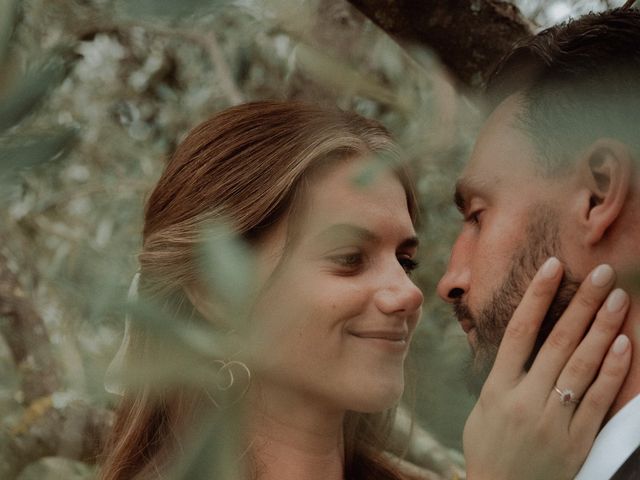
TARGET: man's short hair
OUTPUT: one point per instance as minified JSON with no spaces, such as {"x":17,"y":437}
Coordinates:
{"x":579,"y":81}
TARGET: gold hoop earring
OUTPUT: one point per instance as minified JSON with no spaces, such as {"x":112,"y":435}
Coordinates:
{"x":224,"y":385}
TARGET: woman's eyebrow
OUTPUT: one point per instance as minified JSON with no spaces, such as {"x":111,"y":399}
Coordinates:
{"x":347,"y":231}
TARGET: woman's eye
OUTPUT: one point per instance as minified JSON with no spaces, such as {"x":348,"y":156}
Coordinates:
{"x":409,"y":264}
{"x":350,"y":261}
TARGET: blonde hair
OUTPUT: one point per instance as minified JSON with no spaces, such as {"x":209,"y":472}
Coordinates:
{"x":246,"y":165}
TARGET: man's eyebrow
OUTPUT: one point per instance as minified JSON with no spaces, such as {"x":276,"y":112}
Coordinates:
{"x":465,"y":188}
{"x":459,"y":198}
{"x":341,"y":231}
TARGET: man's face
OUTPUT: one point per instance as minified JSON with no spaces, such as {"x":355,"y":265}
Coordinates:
{"x":512,"y":224}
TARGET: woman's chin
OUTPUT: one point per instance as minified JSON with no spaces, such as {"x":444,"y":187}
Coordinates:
{"x":380,"y":398}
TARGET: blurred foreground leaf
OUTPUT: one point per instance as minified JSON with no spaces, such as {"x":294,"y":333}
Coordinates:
{"x":381,"y":162}
{"x":26,"y":94}
{"x":177,"y":367}
{"x":193,"y":337}
{"x":228,"y":265}
{"x":188,"y":349}
{"x":55,"y":468}
{"x":213,"y":452}
{"x":340,"y":76}
{"x":20,"y":153}
{"x":7,"y":15}
{"x":169,"y":8}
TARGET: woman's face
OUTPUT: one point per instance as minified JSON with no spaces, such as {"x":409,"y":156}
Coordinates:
{"x":334,"y":320}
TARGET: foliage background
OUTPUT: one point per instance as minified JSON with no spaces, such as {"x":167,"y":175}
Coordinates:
{"x":125,"y":81}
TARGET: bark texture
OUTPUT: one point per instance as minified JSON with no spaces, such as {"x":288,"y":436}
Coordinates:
{"x":469,"y":36}
{"x":27,"y":338}
{"x":52,"y":424}
{"x":53,"y":427}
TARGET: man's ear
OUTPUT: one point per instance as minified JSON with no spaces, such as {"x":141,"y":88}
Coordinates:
{"x":606,"y":168}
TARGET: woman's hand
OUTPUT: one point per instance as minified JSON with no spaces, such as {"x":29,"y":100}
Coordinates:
{"x":521,"y":428}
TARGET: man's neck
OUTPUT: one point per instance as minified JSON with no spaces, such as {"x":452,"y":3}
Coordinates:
{"x":292,"y":440}
{"x":631,"y":386}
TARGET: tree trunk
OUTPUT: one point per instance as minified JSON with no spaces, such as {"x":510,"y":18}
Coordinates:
{"x":469,"y":36}
{"x":27,"y":338}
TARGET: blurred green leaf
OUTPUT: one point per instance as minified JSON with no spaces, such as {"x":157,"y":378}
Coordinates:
{"x":340,"y":76}
{"x":199,"y":339}
{"x":7,"y":14}
{"x":169,"y":8}
{"x":213,"y":451}
{"x":228,"y":265}
{"x":20,"y":153}
{"x":26,"y":94}
{"x":189,"y":351}
{"x":177,"y":366}
{"x":380,"y":163}
{"x":55,"y":468}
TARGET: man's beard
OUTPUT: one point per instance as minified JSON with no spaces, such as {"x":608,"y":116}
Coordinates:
{"x":491,"y":322}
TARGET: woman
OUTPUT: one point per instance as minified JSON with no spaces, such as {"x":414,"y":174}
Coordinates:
{"x":326,"y":205}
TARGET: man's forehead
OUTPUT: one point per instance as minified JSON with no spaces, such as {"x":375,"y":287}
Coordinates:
{"x":469,"y":184}
{"x":506,"y":112}
{"x":503,"y":123}
{"x":502,"y":147}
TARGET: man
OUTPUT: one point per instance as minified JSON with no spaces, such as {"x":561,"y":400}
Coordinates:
{"x":556,"y":171}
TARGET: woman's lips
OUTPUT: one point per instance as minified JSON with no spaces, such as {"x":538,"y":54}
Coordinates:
{"x":390,"y":335}
{"x":394,"y":341}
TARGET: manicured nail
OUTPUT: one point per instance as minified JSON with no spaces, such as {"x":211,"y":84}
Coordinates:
{"x":617,"y":299}
{"x":551,"y":267}
{"x":602,"y":275}
{"x":620,"y":345}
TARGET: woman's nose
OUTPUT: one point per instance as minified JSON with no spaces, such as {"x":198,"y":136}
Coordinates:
{"x":399,"y":295}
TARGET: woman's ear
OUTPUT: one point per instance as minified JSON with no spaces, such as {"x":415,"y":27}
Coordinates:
{"x":606,"y":174}
{"x":202,"y":301}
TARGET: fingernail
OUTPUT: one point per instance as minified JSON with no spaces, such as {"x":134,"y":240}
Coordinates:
{"x":620,"y":345}
{"x":617,"y":299}
{"x":551,"y":267}
{"x":602,"y":275}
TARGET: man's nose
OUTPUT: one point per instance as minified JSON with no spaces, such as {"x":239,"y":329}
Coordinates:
{"x":454,"y":284}
{"x":399,"y":295}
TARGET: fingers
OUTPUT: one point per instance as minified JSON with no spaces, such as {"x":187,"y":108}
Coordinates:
{"x":521,"y":332}
{"x":599,"y":397}
{"x":570,"y":328}
{"x":586,"y":360}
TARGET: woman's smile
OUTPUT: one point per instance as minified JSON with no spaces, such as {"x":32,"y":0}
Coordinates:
{"x":393,"y":340}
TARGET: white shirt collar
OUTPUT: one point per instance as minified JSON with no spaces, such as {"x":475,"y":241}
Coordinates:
{"x":613,"y":445}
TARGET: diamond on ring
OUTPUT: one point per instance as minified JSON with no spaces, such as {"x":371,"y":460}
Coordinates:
{"x":566,"y":396}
